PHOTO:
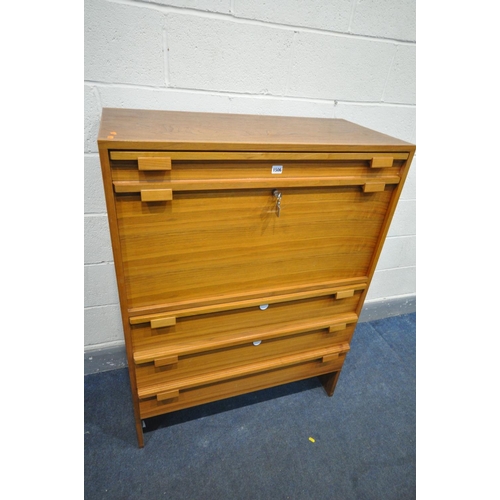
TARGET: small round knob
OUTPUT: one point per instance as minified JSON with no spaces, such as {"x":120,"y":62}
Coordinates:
{"x":256,"y":342}
{"x":263,"y":307}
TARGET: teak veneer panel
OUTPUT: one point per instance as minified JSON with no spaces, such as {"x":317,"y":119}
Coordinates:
{"x":176,"y":130}
{"x":234,"y":241}
{"x":244,"y":247}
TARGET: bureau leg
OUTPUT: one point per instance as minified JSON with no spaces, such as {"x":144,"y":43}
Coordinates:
{"x":329,"y":381}
{"x":140,"y":434}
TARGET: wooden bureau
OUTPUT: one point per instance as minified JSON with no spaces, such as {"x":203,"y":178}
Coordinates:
{"x":244,"y":247}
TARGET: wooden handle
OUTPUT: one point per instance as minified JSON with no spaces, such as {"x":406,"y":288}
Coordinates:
{"x":330,"y":357}
{"x":161,"y":322}
{"x":254,"y":183}
{"x":382,"y":162}
{"x":163,"y":396}
{"x":373,"y":187}
{"x":154,"y":163}
{"x":156,"y":195}
{"x":343,"y":294}
{"x":167,"y":360}
{"x":337,"y":328}
{"x":249,"y":155}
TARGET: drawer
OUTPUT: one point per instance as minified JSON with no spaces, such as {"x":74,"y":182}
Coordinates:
{"x":224,"y":322}
{"x":170,"y":393}
{"x":189,"y":167}
{"x":176,"y":368}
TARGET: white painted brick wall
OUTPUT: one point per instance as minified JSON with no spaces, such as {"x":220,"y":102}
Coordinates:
{"x":393,"y":19}
{"x":123,"y":43}
{"x":327,"y":66}
{"x":352,"y":59}
{"x":227,"y":55}
{"x":319,"y":14}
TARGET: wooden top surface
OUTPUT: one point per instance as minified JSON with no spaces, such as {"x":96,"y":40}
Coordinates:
{"x":178,"y":130}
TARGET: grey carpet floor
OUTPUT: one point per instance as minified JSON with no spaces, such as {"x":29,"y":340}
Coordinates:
{"x":257,"y":446}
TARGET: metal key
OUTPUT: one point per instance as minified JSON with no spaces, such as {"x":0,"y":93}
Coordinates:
{"x":277,"y":195}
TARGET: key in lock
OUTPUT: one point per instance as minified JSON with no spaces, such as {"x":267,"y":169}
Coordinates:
{"x":277,"y":195}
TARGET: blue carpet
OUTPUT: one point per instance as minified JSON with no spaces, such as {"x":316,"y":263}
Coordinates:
{"x":257,"y":446}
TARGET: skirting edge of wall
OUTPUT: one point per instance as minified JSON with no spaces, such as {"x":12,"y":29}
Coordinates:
{"x":386,"y":308}
{"x":112,"y":358}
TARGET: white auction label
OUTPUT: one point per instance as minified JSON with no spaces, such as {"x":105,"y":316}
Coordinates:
{"x":277,"y":169}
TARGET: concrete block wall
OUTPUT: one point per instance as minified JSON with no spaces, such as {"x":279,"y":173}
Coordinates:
{"x":351,"y":59}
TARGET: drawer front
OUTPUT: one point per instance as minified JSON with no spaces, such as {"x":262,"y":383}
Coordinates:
{"x":204,"y":243}
{"x":231,"y":320}
{"x":191,"y":167}
{"x":177,"y":369}
{"x":169,"y":398}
